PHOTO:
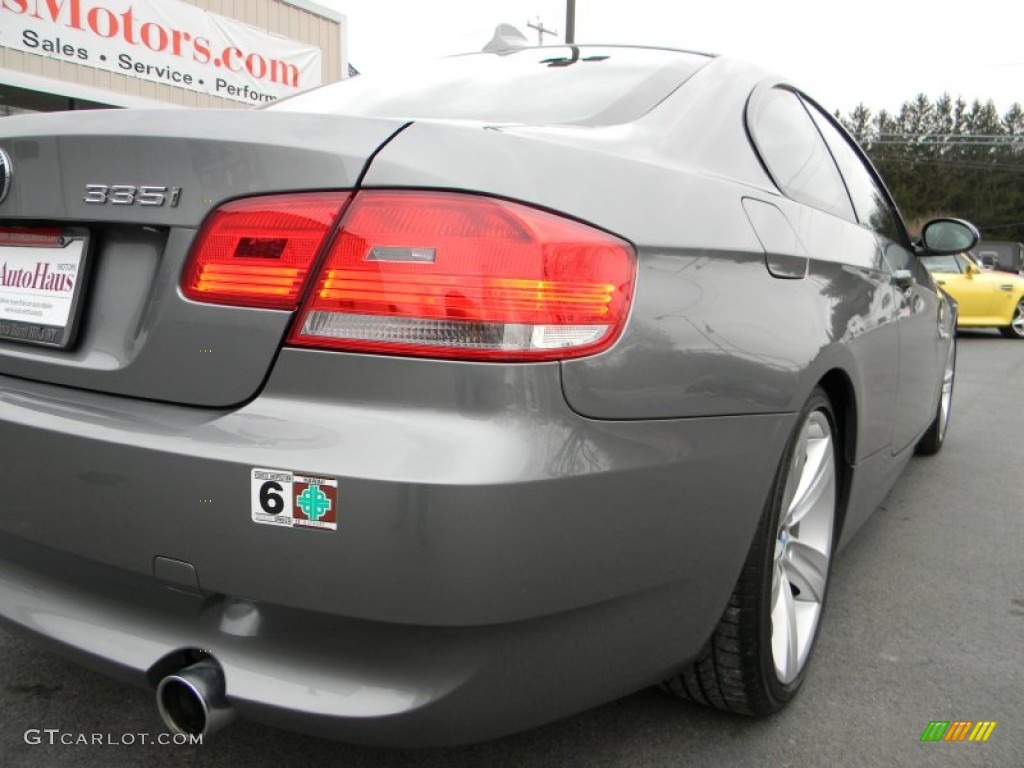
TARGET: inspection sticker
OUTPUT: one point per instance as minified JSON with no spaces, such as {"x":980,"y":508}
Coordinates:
{"x":294,"y":500}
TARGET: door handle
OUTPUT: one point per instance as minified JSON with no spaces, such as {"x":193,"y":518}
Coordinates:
{"x":903,"y":279}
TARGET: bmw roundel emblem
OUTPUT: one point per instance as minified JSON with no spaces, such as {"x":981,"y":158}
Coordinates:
{"x":5,"y":174}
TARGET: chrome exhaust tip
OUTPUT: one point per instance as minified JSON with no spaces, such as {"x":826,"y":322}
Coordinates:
{"x":192,"y":700}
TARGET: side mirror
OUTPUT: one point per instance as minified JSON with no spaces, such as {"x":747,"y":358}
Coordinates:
{"x":972,"y":270}
{"x":941,"y":237}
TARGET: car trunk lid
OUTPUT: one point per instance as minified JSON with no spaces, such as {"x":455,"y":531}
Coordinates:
{"x":133,"y":187}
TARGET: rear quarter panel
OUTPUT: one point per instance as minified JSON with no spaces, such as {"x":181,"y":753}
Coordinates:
{"x":712,"y":332}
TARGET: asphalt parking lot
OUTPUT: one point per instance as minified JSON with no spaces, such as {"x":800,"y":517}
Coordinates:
{"x":925,"y":622}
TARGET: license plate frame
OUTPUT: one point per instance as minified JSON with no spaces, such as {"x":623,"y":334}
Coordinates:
{"x":42,"y":283}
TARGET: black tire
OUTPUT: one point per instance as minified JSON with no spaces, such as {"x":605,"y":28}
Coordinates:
{"x":1015,"y":330}
{"x":737,"y":671}
{"x":932,"y":440}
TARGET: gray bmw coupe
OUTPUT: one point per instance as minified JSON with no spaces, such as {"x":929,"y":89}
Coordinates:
{"x":421,"y":410}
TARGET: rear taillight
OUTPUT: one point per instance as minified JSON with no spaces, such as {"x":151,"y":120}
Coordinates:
{"x":460,"y":276}
{"x":257,"y":252}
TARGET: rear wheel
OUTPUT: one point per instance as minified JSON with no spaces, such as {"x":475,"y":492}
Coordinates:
{"x":1015,"y":330}
{"x":932,"y":440}
{"x":757,"y":657}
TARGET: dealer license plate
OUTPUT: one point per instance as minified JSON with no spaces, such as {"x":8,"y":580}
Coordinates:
{"x":41,"y":280}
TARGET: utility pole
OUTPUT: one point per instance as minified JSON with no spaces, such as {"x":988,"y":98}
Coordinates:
{"x":570,"y":22}
{"x":541,"y":30}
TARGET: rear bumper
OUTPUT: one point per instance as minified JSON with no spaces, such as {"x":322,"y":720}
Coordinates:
{"x":493,"y":567}
{"x":330,"y":676}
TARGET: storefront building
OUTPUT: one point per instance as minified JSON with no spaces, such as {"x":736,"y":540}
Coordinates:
{"x":84,"y":54}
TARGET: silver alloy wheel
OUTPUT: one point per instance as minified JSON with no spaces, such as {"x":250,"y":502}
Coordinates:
{"x":803,"y":546}
{"x":946,"y":399}
{"x":1017,"y":324}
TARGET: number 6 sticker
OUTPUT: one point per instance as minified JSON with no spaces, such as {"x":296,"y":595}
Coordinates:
{"x":293,"y":500}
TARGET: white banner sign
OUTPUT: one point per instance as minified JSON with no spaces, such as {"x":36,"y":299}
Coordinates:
{"x":165,"y":41}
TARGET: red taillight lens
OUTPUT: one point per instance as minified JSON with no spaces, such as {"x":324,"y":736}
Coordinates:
{"x":258,"y":252}
{"x":461,"y":276}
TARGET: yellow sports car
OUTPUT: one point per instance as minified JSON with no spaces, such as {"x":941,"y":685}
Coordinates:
{"x":986,"y":299}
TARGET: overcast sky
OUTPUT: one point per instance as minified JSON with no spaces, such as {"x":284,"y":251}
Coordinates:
{"x":881,"y":52}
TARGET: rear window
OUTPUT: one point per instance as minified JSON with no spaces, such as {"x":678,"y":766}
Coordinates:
{"x":563,"y":85}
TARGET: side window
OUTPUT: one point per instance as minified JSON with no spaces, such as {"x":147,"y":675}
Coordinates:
{"x":945,"y":264}
{"x":869,"y":201}
{"x":897,"y":257}
{"x":795,"y":154}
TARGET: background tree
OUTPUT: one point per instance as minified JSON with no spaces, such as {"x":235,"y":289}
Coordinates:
{"x":950,"y":158}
